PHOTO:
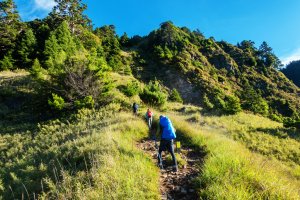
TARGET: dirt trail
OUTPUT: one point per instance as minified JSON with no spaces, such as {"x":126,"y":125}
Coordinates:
{"x":176,"y":185}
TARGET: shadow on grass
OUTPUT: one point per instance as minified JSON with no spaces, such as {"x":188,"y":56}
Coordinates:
{"x":280,"y":132}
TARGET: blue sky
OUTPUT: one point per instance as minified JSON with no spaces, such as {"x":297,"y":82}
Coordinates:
{"x":275,"y":21}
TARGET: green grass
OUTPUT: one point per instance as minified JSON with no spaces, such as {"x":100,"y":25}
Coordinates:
{"x":260,"y":135}
{"x":92,"y":156}
{"x":231,"y":171}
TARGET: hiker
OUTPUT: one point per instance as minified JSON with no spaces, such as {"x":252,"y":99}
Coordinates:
{"x":149,"y":117}
{"x":167,"y":132}
{"x":135,"y":108}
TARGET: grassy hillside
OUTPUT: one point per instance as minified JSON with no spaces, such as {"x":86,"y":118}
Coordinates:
{"x":232,"y":170}
{"x":92,"y":156}
{"x":215,"y":74}
{"x":67,"y":131}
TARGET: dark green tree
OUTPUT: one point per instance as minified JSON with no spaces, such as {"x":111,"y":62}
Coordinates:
{"x":58,"y":47}
{"x":110,"y":42}
{"x":247,"y":46}
{"x":26,"y":49}
{"x":71,"y":11}
{"x":41,"y":31}
{"x":253,"y":101}
{"x":10,"y":27}
{"x":175,"y":96}
{"x":292,"y":71}
{"x":266,"y":54}
{"x":124,"y":40}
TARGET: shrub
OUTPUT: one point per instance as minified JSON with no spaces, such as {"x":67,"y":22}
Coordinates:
{"x":132,"y":88}
{"x":207,"y":102}
{"x":275,"y":117}
{"x":57,"y":102}
{"x":220,"y":103}
{"x":154,"y":94}
{"x":175,"y":96}
{"x":289,"y":122}
{"x":260,"y":106}
{"x":232,"y":105}
{"x":37,"y":71}
{"x":87,"y":102}
{"x":6,"y":63}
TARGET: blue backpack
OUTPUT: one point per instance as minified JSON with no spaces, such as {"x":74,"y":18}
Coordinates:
{"x":168,"y":132}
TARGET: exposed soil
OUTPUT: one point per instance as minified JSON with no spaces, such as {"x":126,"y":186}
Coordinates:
{"x":176,"y":185}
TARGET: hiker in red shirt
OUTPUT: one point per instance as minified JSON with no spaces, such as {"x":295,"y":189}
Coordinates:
{"x":149,"y":117}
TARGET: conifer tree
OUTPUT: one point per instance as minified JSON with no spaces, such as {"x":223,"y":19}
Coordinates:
{"x":70,"y":11}
{"x":268,"y":57}
{"x":59,"y":46}
{"x":26,"y":49}
{"x":51,"y":50}
{"x":65,"y":39}
{"x":10,"y":27}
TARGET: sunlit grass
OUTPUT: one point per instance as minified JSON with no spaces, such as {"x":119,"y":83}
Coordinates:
{"x":93,"y":156}
{"x":231,"y":171}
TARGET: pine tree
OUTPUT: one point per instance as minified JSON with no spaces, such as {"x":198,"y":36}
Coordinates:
{"x":59,"y":46}
{"x":51,"y":50}
{"x":26,"y":49}
{"x":70,"y":11}
{"x":268,"y":57}
{"x":124,"y":40}
{"x":10,"y":27}
{"x":65,"y":39}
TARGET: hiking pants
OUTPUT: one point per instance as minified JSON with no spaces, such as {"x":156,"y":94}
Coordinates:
{"x":149,"y":122}
{"x":166,"y":145}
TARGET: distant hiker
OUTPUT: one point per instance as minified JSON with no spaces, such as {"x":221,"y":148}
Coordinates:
{"x":167,"y":132}
{"x":149,"y":117}
{"x":135,"y":108}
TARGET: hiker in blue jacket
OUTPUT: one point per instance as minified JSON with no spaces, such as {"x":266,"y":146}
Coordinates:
{"x":135,"y":108}
{"x":167,"y":132}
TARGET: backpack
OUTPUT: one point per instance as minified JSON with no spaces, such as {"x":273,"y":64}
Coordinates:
{"x":149,"y":114}
{"x":168,"y":132}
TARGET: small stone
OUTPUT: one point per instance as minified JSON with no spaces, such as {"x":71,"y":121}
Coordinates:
{"x":164,"y":197}
{"x":191,"y":190}
{"x":182,"y":190}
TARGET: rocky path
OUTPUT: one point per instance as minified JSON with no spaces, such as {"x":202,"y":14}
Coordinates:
{"x":176,"y":185}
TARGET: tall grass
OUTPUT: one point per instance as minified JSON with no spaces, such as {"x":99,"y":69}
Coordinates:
{"x":261,"y":135}
{"x":118,"y":169}
{"x":231,"y":171}
{"x":91,"y":156}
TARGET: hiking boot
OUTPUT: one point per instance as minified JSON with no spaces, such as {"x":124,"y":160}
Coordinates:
{"x":175,"y":168}
{"x":161,"y":167}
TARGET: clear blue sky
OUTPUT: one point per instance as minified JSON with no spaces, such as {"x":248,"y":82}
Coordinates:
{"x":275,"y":21}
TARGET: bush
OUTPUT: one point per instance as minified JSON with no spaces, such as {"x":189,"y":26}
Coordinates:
{"x":207,"y":102}
{"x":131,"y":89}
{"x":154,"y":94}
{"x":87,"y":102}
{"x":276,"y":117}
{"x":175,"y":96}
{"x":232,"y":105}
{"x":6,"y":63}
{"x":57,"y":102}
{"x":289,"y":122}
{"x":37,"y":71}
{"x":260,"y":106}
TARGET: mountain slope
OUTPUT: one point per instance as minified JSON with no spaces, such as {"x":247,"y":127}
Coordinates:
{"x":198,"y":67}
{"x":292,"y":71}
